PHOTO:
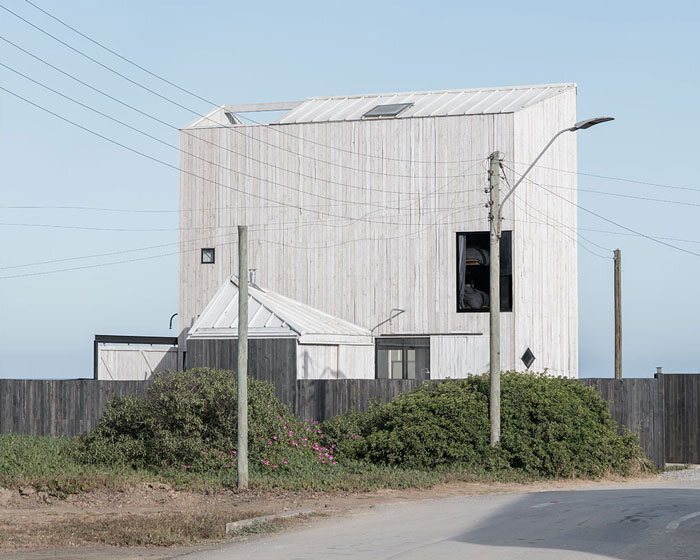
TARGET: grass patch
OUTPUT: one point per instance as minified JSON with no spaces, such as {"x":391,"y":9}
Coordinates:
{"x":154,"y":529}
{"x":49,"y":464}
{"x":677,"y":467}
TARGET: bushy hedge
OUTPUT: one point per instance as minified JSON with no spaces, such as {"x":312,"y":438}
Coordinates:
{"x":189,"y":420}
{"x":550,"y":427}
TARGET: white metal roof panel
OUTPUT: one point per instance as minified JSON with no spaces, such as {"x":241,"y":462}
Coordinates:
{"x":271,"y":315}
{"x":425,"y":104}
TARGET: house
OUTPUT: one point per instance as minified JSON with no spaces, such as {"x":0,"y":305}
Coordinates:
{"x":371,"y":209}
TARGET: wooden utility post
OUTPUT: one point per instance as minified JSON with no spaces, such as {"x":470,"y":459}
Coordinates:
{"x":242,"y":358}
{"x":495,"y":300}
{"x":618,"y":314}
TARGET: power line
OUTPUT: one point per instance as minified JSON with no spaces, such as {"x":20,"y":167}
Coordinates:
{"x":198,"y":138}
{"x":651,"y":238}
{"x":525,"y":208}
{"x":324,"y":246}
{"x":119,"y":55}
{"x":184,"y":152}
{"x":193,"y":111}
{"x":610,"y":178}
{"x":152,"y":158}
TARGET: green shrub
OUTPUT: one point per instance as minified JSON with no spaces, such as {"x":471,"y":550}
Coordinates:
{"x":189,"y":420}
{"x":552,"y":427}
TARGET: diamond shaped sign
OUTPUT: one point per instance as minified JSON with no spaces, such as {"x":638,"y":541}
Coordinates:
{"x":528,"y":358}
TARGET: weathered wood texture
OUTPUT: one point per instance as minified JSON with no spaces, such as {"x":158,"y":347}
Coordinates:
{"x":681,"y":396}
{"x":321,"y":399}
{"x":62,"y":407}
{"x":273,"y":360}
{"x":134,"y":363}
{"x":638,"y":405}
{"x":357,"y":218}
{"x":665,"y":411}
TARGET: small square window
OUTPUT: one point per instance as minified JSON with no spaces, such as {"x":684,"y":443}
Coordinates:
{"x":208,"y":256}
{"x":402,"y":358}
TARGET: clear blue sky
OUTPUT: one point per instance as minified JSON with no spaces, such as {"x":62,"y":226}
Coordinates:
{"x":637,"y":61}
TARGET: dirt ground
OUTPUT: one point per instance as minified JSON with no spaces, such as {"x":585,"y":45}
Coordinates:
{"x":155,"y":515}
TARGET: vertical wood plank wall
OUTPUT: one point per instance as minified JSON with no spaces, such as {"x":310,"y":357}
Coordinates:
{"x":681,"y":396}
{"x":664,"y":411}
{"x":273,"y":360}
{"x":638,"y":405}
{"x":61,"y":407}
{"x":364,"y":234}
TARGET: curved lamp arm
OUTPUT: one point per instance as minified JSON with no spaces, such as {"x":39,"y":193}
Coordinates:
{"x":581,"y":125}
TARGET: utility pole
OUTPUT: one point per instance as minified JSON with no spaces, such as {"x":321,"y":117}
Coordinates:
{"x":495,"y":300}
{"x":618,"y":313}
{"x":242,"y":358}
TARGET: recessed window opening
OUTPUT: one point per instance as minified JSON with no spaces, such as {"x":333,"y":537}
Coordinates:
{"x":208,"y":255}
{"x":386,"y":111}
{"x":473,"y":272}
{"x":403,"y":358}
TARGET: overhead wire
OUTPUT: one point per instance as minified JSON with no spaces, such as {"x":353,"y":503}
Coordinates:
{"x":199,"y":97}
{"x":526,"y":210}
{"x":193,"y":111}
{"x":296,"y":207}
{"x":611,"y":178}
{"x":617,"y":224}
{"x":214,"y":163}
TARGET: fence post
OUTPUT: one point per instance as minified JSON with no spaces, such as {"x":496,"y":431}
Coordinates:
{"x":661,"y":438}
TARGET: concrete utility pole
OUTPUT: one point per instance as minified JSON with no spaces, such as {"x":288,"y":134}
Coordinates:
{"x":495,"y":300}
{"x":618,"y":314}
{"x":242,"y":358}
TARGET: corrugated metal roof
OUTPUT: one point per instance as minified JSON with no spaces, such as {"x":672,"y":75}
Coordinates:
{"x":271,"y":315}
{"x":425,"y":104}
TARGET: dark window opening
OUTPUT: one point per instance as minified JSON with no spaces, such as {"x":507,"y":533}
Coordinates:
{"x":473,"y":272}
{"x":403,"y":358}
{"x":384,"y":111}
{"x":208,"y":255}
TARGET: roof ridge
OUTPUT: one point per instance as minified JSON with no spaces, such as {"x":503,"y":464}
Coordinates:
{"x":442,"y":91}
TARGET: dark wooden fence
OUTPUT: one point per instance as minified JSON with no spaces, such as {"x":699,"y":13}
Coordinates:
{"x":681,"y":397}
{"x":664,"y":411}
{"x":61,"y":407}
{"x":638,"y":405}
{"x":323,"y":399}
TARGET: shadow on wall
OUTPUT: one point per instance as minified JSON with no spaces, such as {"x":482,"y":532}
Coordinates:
{"x":314,"y":363}
{"x":627,"y":524}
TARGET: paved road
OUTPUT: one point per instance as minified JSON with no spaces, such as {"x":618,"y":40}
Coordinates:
{"x":658,"y":520}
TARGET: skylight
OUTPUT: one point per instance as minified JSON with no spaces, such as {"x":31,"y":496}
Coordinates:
{"x":385,"y":111}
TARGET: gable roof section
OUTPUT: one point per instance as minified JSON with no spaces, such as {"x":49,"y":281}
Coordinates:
{"x":478,"y":101}
{"x":425,"y":104}
{"x":271,"y":315}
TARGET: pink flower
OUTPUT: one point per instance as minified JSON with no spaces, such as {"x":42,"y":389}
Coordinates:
{"x":233,"y":452}
{"x":269,"y":442}
{"x":285,"y":461}
{"x":274,"y":466}
{"x":266,"y":462}
{"x":274,"y":437}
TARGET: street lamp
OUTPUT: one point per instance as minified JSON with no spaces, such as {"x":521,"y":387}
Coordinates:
{"x":495,"y":206}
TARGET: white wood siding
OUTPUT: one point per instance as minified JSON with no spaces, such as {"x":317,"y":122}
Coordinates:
{"x":458,"y":356}
{"x":134,"y":363}
{"x":335,"y":361}
{"x":384,"y":235}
